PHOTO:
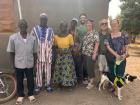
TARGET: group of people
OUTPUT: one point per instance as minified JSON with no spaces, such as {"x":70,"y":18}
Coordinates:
{"x":68,"y":58}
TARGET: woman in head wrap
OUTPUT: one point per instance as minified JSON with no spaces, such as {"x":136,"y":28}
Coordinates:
{"x":64,"y":73}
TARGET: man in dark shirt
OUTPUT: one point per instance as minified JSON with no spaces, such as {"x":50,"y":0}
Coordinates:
{"x":103,"y":34}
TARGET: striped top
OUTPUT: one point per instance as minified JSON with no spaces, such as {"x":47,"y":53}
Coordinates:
{"x":45,"y":42}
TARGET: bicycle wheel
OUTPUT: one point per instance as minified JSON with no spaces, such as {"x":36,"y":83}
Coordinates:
{"x":7,"y":91}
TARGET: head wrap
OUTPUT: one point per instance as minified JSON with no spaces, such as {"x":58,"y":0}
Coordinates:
{"x":43,"y":15}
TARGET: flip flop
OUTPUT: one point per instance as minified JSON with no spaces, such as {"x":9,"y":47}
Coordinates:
{"x":32,"y":99}
{"x":19,"y":101}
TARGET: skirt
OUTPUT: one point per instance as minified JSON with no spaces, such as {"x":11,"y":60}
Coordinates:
{"x":64,"y":71}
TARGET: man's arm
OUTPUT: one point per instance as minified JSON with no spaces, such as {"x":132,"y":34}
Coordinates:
{"x":35,"y":59}
{"x":11,"y":51}
{"x":78,"y":42}
{"x":35,"y":50}
{"x":33,"y":32}
{"x":12,"y":59}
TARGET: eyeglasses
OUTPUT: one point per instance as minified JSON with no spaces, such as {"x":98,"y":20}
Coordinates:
{"x":103,"y":24}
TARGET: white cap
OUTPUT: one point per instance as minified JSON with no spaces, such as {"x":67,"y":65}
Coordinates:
{"x":75,"y":19}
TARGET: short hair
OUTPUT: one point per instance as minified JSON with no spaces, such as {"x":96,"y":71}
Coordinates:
{"x":90,"y":20}
{"x":82,"y":14}
{"x":22,"y":21}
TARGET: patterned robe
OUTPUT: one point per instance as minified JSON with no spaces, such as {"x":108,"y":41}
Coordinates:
{"x":45,"y":43}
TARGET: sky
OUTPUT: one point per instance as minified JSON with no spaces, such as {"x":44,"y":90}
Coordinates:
{"x":114,"y":8}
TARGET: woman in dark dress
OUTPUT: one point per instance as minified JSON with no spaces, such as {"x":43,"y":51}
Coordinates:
{"x":117,"y":45}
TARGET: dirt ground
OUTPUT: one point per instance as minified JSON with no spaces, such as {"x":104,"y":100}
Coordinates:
{"x":81,"y":96}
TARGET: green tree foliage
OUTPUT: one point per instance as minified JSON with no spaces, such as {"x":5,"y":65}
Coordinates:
{"x":130,"y":16}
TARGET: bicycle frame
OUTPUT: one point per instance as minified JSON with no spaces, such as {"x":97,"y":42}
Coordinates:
{"x":6,"y":90}
{"x":2,"y":85}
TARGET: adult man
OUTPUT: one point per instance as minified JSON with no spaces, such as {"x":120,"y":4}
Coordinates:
{"x":80,"y":33}
{"x":23,"y":51}
{"x":44,"y":35}
{"x":103,"y":34}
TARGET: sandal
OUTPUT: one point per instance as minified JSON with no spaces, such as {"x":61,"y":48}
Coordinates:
{"x":32,"y":99}
{"x":19,"y":100}
{"x":89,"y":86}
{"x":49,"y":89}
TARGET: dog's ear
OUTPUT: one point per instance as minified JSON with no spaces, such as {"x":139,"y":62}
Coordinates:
{"x":126,"y":75}
{"x":132,"y":78}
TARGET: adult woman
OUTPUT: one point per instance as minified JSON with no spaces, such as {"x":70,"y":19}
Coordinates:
{"x":117,"y":45}
{"x":89,"y":50}
{"x":64,"y":73}
{"x":73,"y":27}
{"x":75,"y":51}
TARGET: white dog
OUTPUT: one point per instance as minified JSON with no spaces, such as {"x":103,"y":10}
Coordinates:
{"x":118,"y":82}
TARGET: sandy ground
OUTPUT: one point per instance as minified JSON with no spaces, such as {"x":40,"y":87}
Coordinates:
{"x":81,"y":96}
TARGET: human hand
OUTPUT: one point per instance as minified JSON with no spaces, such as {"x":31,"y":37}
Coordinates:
{"x":13,"y":67}
{"x":118,"y":57}
{"x":94,"y":56}
{"x":34,"y":70}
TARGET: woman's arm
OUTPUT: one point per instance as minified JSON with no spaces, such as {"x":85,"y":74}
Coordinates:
{"x":112,"y":52}
{"x":56,"y":49}
{"x":95,"y":50}
{"x":126,"y":50}
{"x":96,"y":47}
{"x":126,"y":43}
{"x":126,"y":54}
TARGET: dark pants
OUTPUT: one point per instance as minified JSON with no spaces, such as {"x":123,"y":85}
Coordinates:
{"x":30,"y":81}
{"x":81,"y":72}
{"x":89,"y":65}
{"x":120,"y":69}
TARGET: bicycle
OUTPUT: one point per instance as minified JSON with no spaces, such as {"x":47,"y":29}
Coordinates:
{"x":8,"y":87}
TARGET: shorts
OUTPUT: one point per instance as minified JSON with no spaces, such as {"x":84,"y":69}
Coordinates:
{"x":102,"y":63}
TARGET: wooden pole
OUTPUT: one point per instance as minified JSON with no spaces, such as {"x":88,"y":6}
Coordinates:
{"x":19,"y":9}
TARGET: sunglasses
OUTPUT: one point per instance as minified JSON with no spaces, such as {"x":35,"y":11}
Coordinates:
{"x":103,"y":24}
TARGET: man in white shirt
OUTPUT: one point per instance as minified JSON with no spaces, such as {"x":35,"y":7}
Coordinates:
{"x":23,"y":52}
